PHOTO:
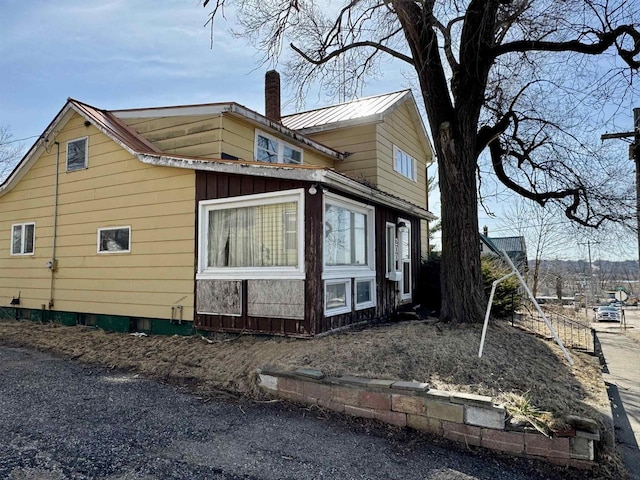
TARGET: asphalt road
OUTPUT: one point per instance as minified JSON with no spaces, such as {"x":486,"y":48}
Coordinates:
{"x":63,"y":420}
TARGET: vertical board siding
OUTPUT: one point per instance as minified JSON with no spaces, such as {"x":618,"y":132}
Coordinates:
{"x":114,"y":190}
{"x":215,"y":186}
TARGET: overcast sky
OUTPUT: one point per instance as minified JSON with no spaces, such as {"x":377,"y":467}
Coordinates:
{"x":141,"y":53}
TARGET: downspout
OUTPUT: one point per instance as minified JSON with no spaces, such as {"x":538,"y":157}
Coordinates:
{"x":52,"y":263}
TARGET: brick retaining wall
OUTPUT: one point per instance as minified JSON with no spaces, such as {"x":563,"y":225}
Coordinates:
{"x":461,"y":417}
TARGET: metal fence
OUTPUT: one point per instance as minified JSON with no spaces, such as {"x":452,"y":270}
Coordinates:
{"x":573,"y":332}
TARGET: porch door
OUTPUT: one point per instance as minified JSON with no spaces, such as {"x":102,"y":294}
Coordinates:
{"x":405,"y":259}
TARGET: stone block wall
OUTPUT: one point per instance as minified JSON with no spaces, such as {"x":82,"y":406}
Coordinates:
{"x":461,"y":417}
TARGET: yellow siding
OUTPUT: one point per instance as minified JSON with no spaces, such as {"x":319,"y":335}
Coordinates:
{"x":115,"y":190}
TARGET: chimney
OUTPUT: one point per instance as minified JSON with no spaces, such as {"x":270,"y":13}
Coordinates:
{"x":485,"y":231}
{"x":272,"y":96}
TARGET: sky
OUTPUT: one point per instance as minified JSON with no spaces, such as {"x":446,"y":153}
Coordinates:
{"x":116,"y":54}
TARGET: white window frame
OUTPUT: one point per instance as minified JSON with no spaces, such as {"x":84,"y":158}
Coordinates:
{"x":280,"y":146}
{"x":339,"y":310}
{"x":86,"y":154}
{"x":398,"y":168}
{"x":23,"y":227}
{"x":352,"y":271}
{"x":113,"y":252}
{"x":372,"y":301}
{"x":249,"y":273}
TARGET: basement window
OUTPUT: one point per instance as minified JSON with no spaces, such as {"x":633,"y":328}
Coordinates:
{"x":77,"y":153}
{"x":22,"y":238}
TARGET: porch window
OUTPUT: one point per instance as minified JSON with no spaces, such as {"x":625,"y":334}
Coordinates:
{"x":114,"y":240}
{"x":273,"y":150}
{"x":22,"y":238}
{"x":253,"y":236}
{"x":77,"y":154}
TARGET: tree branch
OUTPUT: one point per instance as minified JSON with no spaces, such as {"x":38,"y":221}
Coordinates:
{"x":324,"y":59}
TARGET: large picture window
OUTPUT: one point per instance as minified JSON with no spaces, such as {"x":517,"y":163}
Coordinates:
{"x":23,"y":238}
{"x":272,"y":150}
{"x":77,"y":154}
{"x":252,"y":237}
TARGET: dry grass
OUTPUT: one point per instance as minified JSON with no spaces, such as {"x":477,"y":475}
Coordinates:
{"x":445,"y":356}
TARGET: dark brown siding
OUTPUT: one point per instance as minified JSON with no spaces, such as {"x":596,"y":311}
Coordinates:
{"x":215,"y":185}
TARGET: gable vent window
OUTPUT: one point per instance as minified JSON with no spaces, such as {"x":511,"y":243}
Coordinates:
{"x":272,"y":150}
{"x":77,"y":154}
{"x":404,"y":164}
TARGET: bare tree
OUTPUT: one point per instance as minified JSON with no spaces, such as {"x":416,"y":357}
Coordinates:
{"x":9,"y":152}
{"x":514,"y":78}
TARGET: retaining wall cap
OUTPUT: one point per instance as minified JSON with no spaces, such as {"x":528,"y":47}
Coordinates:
{"x":349,"y":379}
{"x":437,"y":395}
{"x":588,"y":435}
{"x":381,"y":383}
{"x":470,"y":398}
{"x":415,"y":386}
{"x":310,"y":373}
{"x":581,"y":423}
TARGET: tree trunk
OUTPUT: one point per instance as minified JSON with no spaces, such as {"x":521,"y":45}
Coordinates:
{"x":463,"y":299}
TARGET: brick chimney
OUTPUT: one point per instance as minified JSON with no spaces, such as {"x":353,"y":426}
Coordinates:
{"x":272,"y":96}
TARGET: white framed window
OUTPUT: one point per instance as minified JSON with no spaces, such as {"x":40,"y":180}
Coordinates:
{"x":365,"y":294}
{"x":270,"y":149}
{"x":405,"y":164}
{"x":114,"y":240}
{"x":337,"y":296}
{"x":253,"y":236}
{"x":23,"y":238}
{"x":349,"y":245}
{"x":77,"y":154}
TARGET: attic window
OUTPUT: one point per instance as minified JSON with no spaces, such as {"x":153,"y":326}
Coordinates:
{"x":77,"y":154}
{"x":272,"y":150}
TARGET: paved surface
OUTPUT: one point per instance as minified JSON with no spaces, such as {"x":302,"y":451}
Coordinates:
{"x":622,"y":375}
{"x":63,"y":420}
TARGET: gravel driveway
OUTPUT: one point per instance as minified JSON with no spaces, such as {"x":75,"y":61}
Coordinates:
{"x":64,"y":420}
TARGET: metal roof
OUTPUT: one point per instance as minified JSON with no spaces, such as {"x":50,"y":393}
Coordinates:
{"x":356,"y":109}
{"x":509,"y":244}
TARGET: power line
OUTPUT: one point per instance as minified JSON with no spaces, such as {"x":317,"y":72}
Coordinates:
{"x":18,"y":140}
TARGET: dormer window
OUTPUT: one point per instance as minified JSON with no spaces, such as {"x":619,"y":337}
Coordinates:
{"x":272,"y":150}
{"x":77,"y":154}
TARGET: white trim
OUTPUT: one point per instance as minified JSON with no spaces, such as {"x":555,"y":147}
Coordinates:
{"x":249,"y":273}
{"x":111,"y":252}
{"x":22,"y":253}
{"x":86,"y":154}
{"x":339,"y":310}
{"x":394,"y":239}
{"x":401,"y":262}
{"x":372,"y":301}
{"x":280,"y":144}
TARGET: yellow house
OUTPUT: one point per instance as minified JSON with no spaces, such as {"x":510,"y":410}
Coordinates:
{"x":215,"y":217}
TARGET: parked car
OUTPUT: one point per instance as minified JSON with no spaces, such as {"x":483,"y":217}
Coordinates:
{"x":607,"y":313}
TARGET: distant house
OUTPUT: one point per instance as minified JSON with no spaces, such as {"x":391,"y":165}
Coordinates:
{"x":514,"y":247}
{"x":216,"y":217}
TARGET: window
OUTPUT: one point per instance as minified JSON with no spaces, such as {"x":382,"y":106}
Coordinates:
{"x":365,"y":293}
{"x":337,"y":296}
{"x":77,"y":154}
{"x":271,"y":150}
{"x":114,"y":240}
{"x":252,"y":236}
{"x":348,"y":233}
{"x":23,"y":238}
{"x":404,"y":247}
{"x":404,"y":164}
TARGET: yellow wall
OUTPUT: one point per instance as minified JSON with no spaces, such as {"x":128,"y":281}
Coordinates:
{"x":115,"y":190}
